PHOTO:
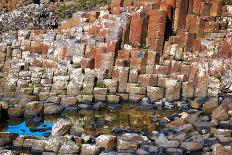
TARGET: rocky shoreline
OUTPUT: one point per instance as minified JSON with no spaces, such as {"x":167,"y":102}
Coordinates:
{"x":169,"y":55}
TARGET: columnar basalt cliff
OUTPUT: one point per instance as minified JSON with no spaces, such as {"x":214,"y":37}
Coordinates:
{"x":165,"y":50}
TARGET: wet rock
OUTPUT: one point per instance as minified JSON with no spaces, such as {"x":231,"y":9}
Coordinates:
{"x":108,"y":142}
{"x":192,"y":145}
{"x":68,"y":101}
{"x":150,"y":148}
{"x":162,"y":141}
{"x":88,"y":149}
{"x":174,"y":151}
{"x":98,"y":106}
{"x":11,"y":136}
{"x":18,"y":142}
{"x":61,"y":127}
{"x":28,"y":143}
{"x":38,"y":146}
{"x":52,"y":109}
{"x":33,"y":108}
{"x":142,"y":152}
{"x":15,"y":112}
{"x":220,"y":113}
{"x":4,"y":141}
{"x":69,"y":147}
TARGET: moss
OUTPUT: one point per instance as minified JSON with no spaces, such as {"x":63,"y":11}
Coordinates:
{"x":100,"y":85}
{"x":219,"y":77}
{"x":174,"y":33}
{"x":37,"y":85}
{"x":66,"y":74}
{"x":77,"y":66}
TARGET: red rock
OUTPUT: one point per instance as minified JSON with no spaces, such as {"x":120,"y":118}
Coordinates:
{"x":116,"y":3}
{"x":225,"y":51}
{"x":159,"y":69}
{"x":148,"y":80}
{"x":197,"y":6}
{"x":90,"y":52}
{"x":123,"y":54}
{"x":181,"y":13}
{"x":138,"y":28}
{"x":211,"y":27}
{"x":50,"y":64}
{"x":87,"y":63}
{"x":152,"y":58}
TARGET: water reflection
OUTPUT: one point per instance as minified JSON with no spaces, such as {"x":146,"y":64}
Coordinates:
{"x":36,"y":126}
{"x":102,"y":122}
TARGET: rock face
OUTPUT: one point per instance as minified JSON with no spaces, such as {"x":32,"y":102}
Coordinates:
{"x":61,"y":127}
{"x":158,"y":52}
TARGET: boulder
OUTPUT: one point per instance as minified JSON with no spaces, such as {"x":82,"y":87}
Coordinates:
{"x":129,"y":142}
{"x":69,"y":147}
{"x":61,"y":127}
{"x":52,"y":145}
{"x":192,"y":145}
{"x":162,"y":141}
{"x":172,"y":91}
{"x":18,"y":142}
{"x":210,"y":105}
{"x":219,"y":150}
{"x":127,"y":145}
{"x":15,"y":112}
{"x":33,"y":108}
{"x":38,"y":146}
{"x":52,"y":109}
{"x":220,"y":113}
{"x":108,"y":142}
{"x":90,"y":149}
{"x":68,"y":101}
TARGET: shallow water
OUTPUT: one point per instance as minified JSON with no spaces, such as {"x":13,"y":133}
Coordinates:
{"x":91,"y":122}
{"x":28,"y":126}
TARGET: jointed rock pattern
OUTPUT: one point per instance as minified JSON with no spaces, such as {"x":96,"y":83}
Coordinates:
{"x":166,"y":50}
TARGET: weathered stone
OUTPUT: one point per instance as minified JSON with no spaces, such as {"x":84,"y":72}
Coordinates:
{"x":52,"y":145}
{"x":61,"y":127}
{"x":108,"y":142}
{"x":172,"y":90}
{"x":192,"y":145}
{"x":220,"y":113}
{"x":69,"y":147}
{"x":68,"y":101}
{"x":88,"y":149}
{"x":38,"y":146}
{"x":210,"y":105}
{"x":33,"y":108}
